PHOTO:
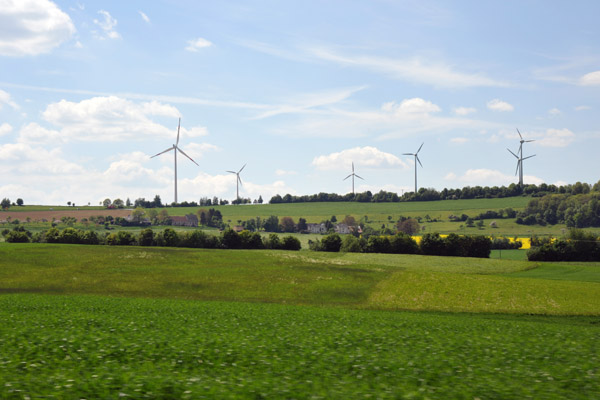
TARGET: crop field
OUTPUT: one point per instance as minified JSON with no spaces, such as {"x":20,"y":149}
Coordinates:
{"x":100,"y":347}
{"x":137,"y":322}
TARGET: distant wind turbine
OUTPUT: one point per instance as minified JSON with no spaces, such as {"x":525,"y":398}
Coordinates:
{"x":520,"y":158}
{"x":353,"y":175}
{"x":238,"y":181}
{"x":416,"y":155}
{"x":175,"y":148}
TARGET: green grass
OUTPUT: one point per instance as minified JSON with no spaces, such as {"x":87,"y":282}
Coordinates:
{"x":375,"y":281}
{"x":582,"y":272}
{"x":75,"y":347}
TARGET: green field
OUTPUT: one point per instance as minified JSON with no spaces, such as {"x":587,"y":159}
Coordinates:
{"x":105,"y":322}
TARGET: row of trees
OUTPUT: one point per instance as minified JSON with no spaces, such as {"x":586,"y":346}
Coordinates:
{"x":6,"y":203}
{"x":402,"y":243}
{"x":429,"y":194}
{"x":228,"y":239}
{"x":578,"y":245}
{"x":580,"y":211}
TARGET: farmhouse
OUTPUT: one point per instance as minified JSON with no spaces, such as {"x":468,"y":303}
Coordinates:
{"x":343,"y":229}
{"x":316,"y":228}
{"x":188,"y":220}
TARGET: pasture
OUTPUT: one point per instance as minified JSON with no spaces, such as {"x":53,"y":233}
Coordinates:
{"x":96,"y":321}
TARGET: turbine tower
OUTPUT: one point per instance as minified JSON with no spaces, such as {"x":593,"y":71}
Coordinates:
{"x":520,"y":157}
{"x":353,"y":175}
{"x":175,"y":148}
{"x":238,"y":181}
{"x":416,"y":155}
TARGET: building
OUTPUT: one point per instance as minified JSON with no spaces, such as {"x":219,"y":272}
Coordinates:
{"x":188,"y":220}
{"x":316,"y":228}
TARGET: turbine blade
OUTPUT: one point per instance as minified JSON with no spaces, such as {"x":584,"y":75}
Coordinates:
{"x":528,"y":157}
{"x":178,"y":126}
{"x":527,"y":141}
{"x":420,"y":147}
{"x":519,"y":134}
{"x":347,"y":177}
{"x":240,"y":180}
{"x":233,"y":172}
{"x":407,"y":154}
{"x":181,"y":151}
{"x":162,"y":152}
{"x":517,"y":170}
{"x":359,"y":177}
{"x":513,"y":153}
{"x":352,"y":166}
{"x":417,"y":158}
{"x":242,"y":168}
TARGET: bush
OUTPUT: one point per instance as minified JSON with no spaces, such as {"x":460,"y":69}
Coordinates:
{"x":230,"y":239}
{"x":351,"y":244}
{"x":17,"y":237}
{"x":290,"y":243}
{"x":403,"y":243}
{"x":331,"y":242}
{"x":272,"y":242}
{"x":69,"y":236}
{"x":251,"y":240}
{"x":432,"y":244}
{"x":146,"y":237}
{"x":121,"y":238}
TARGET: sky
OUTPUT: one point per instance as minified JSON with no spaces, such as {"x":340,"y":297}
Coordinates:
{"x":296,"y":91}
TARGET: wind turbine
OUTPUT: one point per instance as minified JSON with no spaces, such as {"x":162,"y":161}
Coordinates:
{"x":238,"y":181}
{"x":353,"y":175}
{"x":175,"y":148}
{"x":520,"y":158}
{"x":416,"y":155}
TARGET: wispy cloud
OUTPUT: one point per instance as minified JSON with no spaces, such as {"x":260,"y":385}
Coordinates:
{"x":499,"y":105}
{"x":107,"y":23}
{"x":464,"y":110}
{"x":144,"y":17}
{"x":368,"y":156}
{"x":195,"y":45}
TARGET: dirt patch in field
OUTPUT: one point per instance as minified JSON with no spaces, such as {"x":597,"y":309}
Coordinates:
{"x":58,"y":214}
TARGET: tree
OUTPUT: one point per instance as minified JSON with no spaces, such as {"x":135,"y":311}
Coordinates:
{"x":302,"y":224}
{"x":271,"y":224}
{"x":5,"y":203}
{"x":146,"y":237}
{"x":157,"y":201}
{"x":287,"y":224}
{"x":128,"y":203}
{"x":331,"y":242}
{"x":106,"y":203}
{"x":118,"y":203}
{"x":137,"y":215}
{"x":409,"y":226}
{"x":20,"y":202}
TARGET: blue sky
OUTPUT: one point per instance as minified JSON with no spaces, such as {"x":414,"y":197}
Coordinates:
{"x":297,"y":90}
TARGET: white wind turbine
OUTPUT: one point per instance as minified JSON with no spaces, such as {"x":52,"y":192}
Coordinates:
{"x":175,"y":148}
{"x":353,"y":175}
{"x":238,"y":181}
{"x":416,"y":155}
{"x":520,"y":158}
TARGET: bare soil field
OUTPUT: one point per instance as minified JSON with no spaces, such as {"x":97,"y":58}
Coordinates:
{"x":58,"y":214}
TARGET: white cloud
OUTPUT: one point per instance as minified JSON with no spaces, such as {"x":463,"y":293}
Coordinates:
{"x":5,"y":129}
{"x":459,"y":140}
{"x":590,"y":79}
{"x":412,"y":106}
{"x":489,"y":177}
{"x":368,"y":156}
{"x":556,"y":138}
{"x":413,"y":69}
{"x":5,"y":99}
{"x":464,"y":110}
{"x":282,"y":172}
{"x":198,"y":150}
{"x":144,"y":17}
{"x":197,"y":44}
{"x":107,"y":24}
{"x":554,"y":112}
{"x":113,"y":119}
{"x":499,"y":105}
{"x":31,"y":27}
{"x":34,"y":133}
{"x":582,"y":108}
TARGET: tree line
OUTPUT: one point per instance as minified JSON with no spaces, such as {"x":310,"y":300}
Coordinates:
{"x":228,"y":239}
{"x":579,"y":210}
{"x":430,"y":194}
{"x":578,"y":245}
{"x":431,"y":244}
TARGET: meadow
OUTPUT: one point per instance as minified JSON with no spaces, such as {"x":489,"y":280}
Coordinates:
{"x":104,"y":322}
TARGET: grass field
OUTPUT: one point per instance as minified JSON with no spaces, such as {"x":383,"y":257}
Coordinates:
{"x":106,"y":322}
{"x":99,"y":347}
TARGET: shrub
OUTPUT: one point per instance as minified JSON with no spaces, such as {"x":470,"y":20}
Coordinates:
{"x":70,"y":236}
{"x":230,"y":239}
{"x":331,"y":242}
{"x":432,"y":244}
{"x":351,"y":244}
{"x":290,"y":243}
{"x":121,"y":238}
{"x":146,"y":237}
{"x":17,"y":237}
{"x":272,"y":242}
{"x":403,"y":243}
